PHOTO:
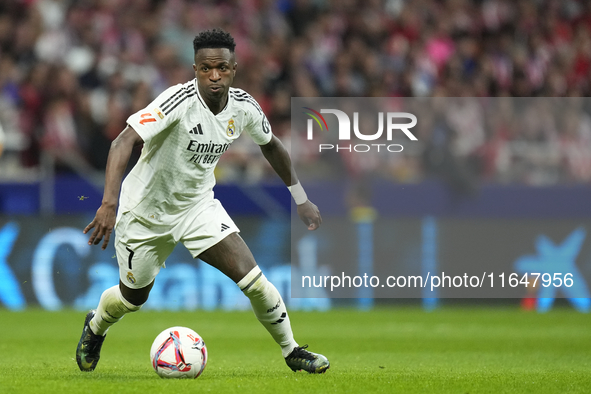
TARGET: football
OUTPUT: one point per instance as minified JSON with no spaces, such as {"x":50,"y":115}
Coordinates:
{"x":178,"y":352}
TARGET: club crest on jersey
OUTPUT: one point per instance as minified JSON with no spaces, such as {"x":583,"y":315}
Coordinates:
{"x":159,"y":113}
{"x":231,"y":129}
{"x":130,"y":277}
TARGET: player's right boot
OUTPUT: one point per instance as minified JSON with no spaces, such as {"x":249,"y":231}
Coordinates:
{"x":88,"y":351}
{"x":301,"y":359}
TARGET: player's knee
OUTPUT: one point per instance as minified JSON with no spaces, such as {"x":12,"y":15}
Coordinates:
{"x":255,"y":284}
{"x":243,"y":269}
{"x":136,"y":297}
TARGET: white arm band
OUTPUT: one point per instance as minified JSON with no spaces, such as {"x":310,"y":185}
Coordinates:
{"x":298,"y":193}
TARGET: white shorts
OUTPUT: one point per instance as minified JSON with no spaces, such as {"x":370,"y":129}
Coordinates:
{"x":142,"y":246}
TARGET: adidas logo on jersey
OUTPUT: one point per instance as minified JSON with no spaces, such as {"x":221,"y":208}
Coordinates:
{"x":225,"y":227}
{"x":196,"y":130}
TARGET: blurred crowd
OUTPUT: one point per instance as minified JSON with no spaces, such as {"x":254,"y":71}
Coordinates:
{"x":71,"y":72}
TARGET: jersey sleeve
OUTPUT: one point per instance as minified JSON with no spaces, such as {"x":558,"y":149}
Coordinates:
{"x":258,"y":126}
{"x":158,"y":115}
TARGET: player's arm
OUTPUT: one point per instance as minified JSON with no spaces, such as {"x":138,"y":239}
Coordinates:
{"x":119,"y":155}
{"x":278,"y":157}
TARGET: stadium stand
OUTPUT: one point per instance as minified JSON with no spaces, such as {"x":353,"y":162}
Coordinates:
{"x":72,"y":71}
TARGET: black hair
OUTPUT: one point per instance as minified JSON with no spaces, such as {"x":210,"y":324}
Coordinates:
{"x":216,"y":38}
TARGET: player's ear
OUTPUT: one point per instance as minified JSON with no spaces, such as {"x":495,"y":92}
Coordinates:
{"x":195,"y":67}
{"x":234,"y":69}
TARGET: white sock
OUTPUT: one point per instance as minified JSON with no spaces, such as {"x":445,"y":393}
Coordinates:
{"x":269,"y":308}
{"x":111,"y":308}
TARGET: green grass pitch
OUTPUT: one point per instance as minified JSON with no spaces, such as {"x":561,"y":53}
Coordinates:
{"x":398,"y":349}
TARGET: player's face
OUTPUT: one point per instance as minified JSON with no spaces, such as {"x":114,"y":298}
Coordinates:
{"x":214,"y":69}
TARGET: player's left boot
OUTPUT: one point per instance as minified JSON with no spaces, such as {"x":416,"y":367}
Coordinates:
{"x":88,"y":351}
{"x":301,"y":359}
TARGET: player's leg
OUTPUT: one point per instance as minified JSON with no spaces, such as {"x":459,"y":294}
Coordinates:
{"x":116,"y":302}
{"x":210,"y":234}
{"x":113,"y":305}
{"x":232,"y":256}
{"x":140,"y":257}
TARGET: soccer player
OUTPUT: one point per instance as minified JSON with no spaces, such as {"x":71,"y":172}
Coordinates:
{"x":167,"y":198}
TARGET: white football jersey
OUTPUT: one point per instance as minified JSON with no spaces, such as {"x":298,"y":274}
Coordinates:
{"x":183,"y":141}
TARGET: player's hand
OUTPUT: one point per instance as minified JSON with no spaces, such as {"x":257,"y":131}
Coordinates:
{"x":103,"y":224}
{"x":310,"y":215}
